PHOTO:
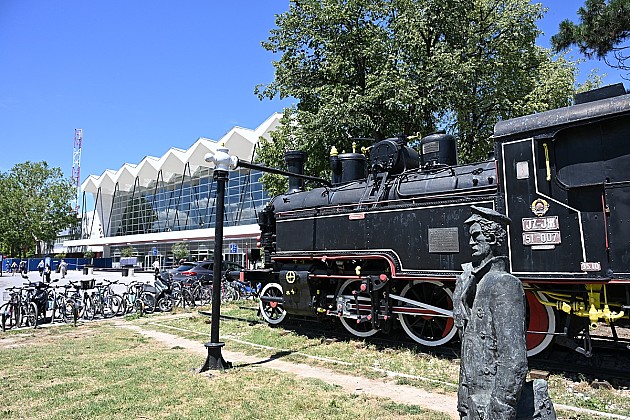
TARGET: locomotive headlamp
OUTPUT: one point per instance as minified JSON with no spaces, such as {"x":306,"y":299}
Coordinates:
{"x":221,"y":159}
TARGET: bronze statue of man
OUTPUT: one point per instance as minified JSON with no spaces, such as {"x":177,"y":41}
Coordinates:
{"x":489,"y":310}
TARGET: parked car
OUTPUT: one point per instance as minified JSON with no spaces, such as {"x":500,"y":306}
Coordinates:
{"x":168,"y":274}
{"x":204,"y":271}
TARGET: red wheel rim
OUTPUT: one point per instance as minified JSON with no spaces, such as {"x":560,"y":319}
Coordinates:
{"x":538,"y":321}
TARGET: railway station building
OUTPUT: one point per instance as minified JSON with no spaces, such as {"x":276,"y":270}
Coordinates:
{"x":151,"y":205}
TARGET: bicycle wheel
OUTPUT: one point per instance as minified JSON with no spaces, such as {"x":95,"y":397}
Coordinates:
{"x":51,"y":305}
{"x":187,"y":298}
{"x":88,"y":308}
{"x":59,"y":308}
{"x":176,"y":293}
{"x":149,"y":302}
{"x":79,"y":305}
{"x":165,"y":304}
{"x":8,"y":316}
{"x":205,"y":295}
{"x":99,"y":307}
{"x":30,"y":314}
{"x":75,"y":307}
{"x":66,"y":309}
{"x":125,"y":305}
{"x":113,"y":303}
{"x":138,"y":307}
{"x":231,"y":294}
{"x":3,"y":316}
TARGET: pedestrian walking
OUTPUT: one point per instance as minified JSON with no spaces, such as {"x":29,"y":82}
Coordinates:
{"x":14,"y":268}
{"x":63,"y":268}
{"x":23,"y":267}
{"x":40,"y":267}
{"x":47,"y":273}
{"x":156,"y":268}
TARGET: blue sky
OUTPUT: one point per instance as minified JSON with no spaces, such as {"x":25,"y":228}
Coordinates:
{"x":141,"y":76}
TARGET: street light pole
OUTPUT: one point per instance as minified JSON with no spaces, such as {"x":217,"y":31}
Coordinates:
{"x":223,"y":163}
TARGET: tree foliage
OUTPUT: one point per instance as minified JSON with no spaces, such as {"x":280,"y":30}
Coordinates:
{"x":378,"y":68}
{"x":603,"y":28}
{"x":127,"y":252}
{"x":179,"y":250}
{"x":34,"y":206}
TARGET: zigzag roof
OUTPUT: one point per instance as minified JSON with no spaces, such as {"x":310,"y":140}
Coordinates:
{"x":240,"y":141}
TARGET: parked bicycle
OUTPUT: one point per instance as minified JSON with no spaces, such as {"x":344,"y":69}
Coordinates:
{"x":54,"y":300}
{"x":35,"y":303}
{"x":185,"y":293}
{"x":132,"y":299}
{"x":11,"y":311}
{"x":244,"y":289}
{"x":79,"y":299}
{"x":105,"y":301}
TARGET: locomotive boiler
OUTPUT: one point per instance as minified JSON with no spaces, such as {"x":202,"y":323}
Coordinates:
{"x":381,"y":246}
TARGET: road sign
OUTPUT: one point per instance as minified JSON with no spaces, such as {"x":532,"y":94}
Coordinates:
{"x":154,"y":250}
{"x":233,"y":249}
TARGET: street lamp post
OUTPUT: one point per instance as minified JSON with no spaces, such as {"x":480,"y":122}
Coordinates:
{"x":223,"y":163}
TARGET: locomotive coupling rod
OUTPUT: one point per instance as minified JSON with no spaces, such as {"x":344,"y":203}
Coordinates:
{"x":423,"y":305}
{"x":249,"y":165}
{"x":268,"y":299}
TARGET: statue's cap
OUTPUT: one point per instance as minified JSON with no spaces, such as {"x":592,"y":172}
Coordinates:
{"x":489,"y":214}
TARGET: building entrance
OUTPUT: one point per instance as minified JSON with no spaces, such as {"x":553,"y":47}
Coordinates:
{"x":148,"y":261}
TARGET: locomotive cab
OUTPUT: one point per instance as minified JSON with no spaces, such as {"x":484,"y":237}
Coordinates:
{"x":566,"y":182}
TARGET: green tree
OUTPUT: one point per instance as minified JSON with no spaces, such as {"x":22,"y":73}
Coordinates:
{"x":602,"y":29}
{"x":179,"y":250}
{"x":378,"y":68}
{"x":89,"y":254}
{"x":35,"y":204}
{"x":127,"y":252}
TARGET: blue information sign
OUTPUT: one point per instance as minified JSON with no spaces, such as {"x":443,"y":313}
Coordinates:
{"x":154,"y":251}
{"x":233,"y":249}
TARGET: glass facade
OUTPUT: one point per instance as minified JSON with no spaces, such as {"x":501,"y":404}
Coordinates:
{"x":233,"y":250}
{"x":185,"y":202}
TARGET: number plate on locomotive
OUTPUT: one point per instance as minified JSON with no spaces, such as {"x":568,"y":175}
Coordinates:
{"x":540,"y":223}
{"x":541,"y":238}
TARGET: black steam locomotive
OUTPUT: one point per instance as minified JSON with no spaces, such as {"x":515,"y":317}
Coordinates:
{"x":381,"y":246}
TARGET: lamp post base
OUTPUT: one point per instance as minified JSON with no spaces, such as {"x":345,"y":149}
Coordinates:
{"x":215,"y":360}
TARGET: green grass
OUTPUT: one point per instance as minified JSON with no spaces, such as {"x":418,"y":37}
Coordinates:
{"x":99,"y":371}
{"x":366,"y":359}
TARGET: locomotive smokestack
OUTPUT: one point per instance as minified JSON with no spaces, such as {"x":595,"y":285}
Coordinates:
{"x":295,"y":162}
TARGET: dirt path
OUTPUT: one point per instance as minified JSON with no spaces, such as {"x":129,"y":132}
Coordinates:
{"x":351,"y":384}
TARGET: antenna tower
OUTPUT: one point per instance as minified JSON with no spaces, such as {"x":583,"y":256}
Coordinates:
{"x":76,"y":165}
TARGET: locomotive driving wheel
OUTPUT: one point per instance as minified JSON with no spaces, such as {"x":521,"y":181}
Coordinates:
{"x":541,"y":323}
{"x":426,"y":327}
{"x":354,"y":313}
{"x":272,"y":312}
